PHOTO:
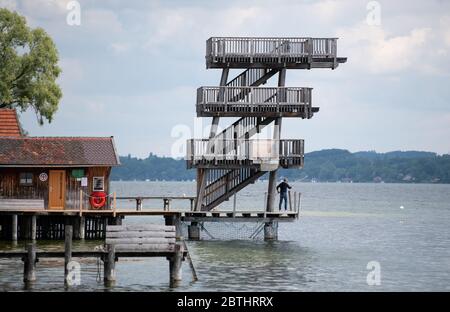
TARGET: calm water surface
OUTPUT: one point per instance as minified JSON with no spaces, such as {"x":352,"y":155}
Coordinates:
{"x":342,"y":227}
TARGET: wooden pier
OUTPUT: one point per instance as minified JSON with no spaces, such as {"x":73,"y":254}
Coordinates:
{"x":37,"y":224}
{"x":121,"y":241}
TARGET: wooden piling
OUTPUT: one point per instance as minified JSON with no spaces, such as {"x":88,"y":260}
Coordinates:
{"x":67,"y":251}
{"x":29,"y":272}
{"x":109,"y":262}
{"x":14,"y":227}
{"x":33,"y":227}
{"x":82,"y":229}
{"x":175,"y":266}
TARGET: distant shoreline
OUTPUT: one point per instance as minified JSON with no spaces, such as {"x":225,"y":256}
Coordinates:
{"x":297,"y":181}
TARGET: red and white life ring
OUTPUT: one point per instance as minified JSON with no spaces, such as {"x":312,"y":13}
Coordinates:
{"x":97,"y":199}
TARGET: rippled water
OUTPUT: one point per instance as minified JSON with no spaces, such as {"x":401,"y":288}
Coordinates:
{"x":342,"y":227}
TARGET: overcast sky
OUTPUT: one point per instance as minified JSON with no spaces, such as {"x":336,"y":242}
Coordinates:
{"x":131,"y":69}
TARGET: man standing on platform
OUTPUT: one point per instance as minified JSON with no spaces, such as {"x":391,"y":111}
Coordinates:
{"x":282,"y":189}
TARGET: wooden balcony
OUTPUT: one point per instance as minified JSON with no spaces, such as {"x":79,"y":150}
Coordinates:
{"x":254,"y":102}
{"x":263,"y":154}
{"x":293,"y":53}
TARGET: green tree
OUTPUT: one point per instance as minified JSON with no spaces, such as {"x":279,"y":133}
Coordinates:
{"x":28,"y":67}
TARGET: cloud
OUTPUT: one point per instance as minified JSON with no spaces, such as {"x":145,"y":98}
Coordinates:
{"x":44,"y":9}
{"x":370,"y":47}
{"x":137,"y":62}
{"x":120,"y":47}
{"x":445,"y":25}
{"x":8,"y":4}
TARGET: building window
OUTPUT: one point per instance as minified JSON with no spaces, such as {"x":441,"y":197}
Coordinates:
{"x":26,"y":178}
{"x":98,"y":184}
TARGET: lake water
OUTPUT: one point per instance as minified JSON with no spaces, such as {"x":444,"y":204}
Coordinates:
{"x":342,"y":227}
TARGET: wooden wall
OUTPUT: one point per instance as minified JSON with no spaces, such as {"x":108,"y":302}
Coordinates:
{"x":11,"y":189}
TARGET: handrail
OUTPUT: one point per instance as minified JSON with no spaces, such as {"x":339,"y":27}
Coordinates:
{"x":166,"y":200}
{"x":255,"y":150}
{"x":221,"y":47}
{"x":254,"y":95}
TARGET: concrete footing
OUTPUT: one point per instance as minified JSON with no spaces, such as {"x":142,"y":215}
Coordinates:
{"x":271,"y":231}
{"x":194,"y":231}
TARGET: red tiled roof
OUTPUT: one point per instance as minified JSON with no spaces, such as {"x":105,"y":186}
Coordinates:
{"x":58,"y":151}
{"x":9,"y":125}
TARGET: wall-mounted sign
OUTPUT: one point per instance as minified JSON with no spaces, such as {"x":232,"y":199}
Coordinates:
{"x":43,"y":177}
{"x":84,"y":181}
{"x":77,"y":173}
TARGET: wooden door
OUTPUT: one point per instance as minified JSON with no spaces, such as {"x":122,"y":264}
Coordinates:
{"x":57,"y":189}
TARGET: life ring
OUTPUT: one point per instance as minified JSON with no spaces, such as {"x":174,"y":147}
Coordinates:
{"x":97,"y":199}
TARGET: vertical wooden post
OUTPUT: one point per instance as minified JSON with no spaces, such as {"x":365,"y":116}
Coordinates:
{"x":114,"y":204}
{"x":33,"y":227}
{"x":295,"y":202}
{"x":68,"y":235}
{"x":109,"y":275}
{"x":29,"y":272}
{"x":82,"y":229}
{"x":81,"y":203}
{"x":175,"y":266}
{"x":14,"y":227}
{"x":234,"y":205}
{"x":271,"y":192}
{"x":290,"y":201}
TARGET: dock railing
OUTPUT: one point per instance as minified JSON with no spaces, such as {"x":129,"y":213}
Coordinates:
{"x":294,"y":202}
{"x":166,"y":201}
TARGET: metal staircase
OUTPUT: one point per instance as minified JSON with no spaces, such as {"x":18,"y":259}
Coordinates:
{"x":230,"y":160}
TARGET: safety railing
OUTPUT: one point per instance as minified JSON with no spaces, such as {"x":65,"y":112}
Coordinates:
{"x":223,"y":47}
{"x":256,"y":151}
{"x":253,"y":95}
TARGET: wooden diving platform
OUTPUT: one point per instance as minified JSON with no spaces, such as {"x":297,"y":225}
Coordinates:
{"x":255,"y":101}
{"x":269,"y":52}
{"x":263,"y":154}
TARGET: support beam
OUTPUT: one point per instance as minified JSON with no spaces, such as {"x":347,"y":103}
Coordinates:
{"x":174,"y":220}
{"x":68,"y":231}
{"x":271,"y":191}
{"x":14,"y":227}
{"x":82,"y":229}
{"x":29,"y":272}
{"x":76,"y":227}
{"x":270,"y":231}
{"x":175,"y":266}
{"x":33,"y":227}
{"x":109,"y":275}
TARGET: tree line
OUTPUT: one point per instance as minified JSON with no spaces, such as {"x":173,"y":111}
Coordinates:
{"x":331,"y":165}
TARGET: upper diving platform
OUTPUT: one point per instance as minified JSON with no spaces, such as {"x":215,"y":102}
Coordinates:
{"x":266,"y":52}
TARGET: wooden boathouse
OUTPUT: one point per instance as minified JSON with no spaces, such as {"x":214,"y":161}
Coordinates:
{"x":44,"y":174}
{"x":230,"y":160}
